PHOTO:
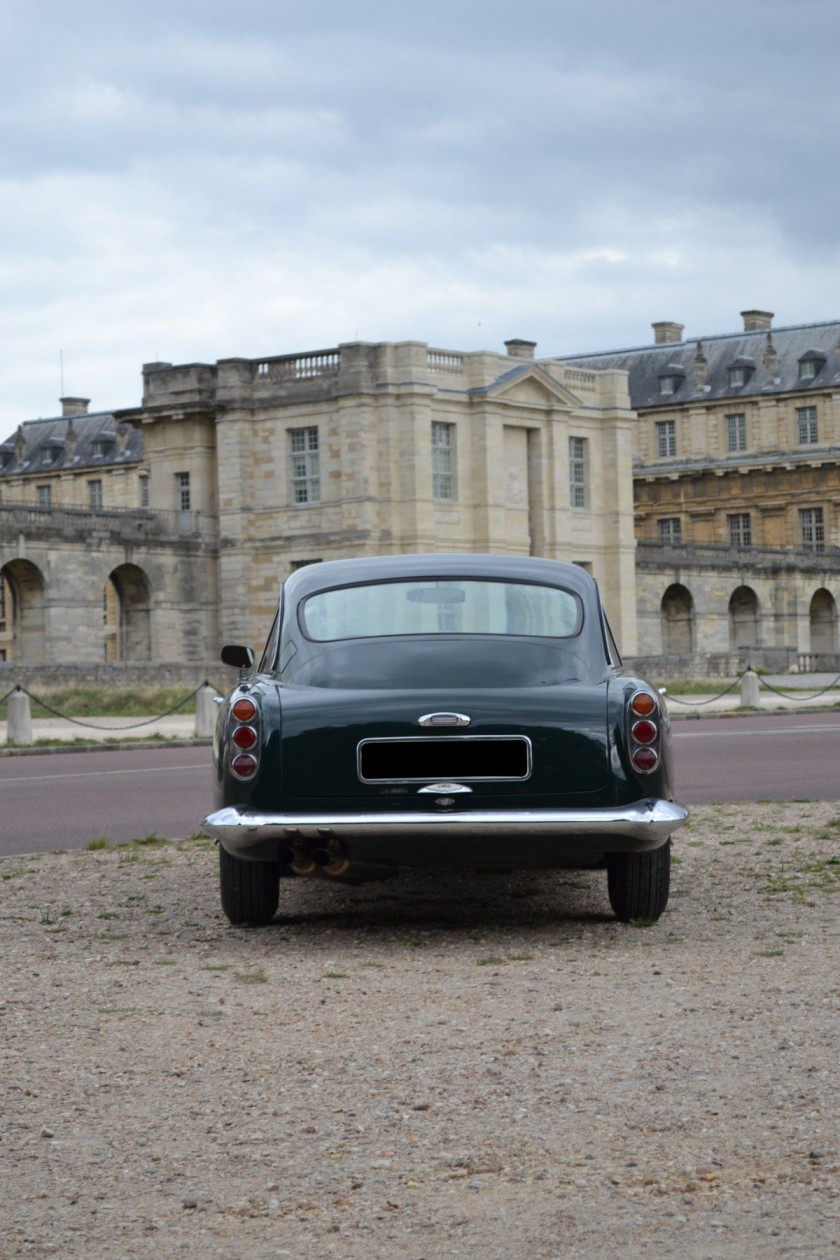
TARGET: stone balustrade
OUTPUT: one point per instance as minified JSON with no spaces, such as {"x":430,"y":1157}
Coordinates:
{"x":119,"y":524}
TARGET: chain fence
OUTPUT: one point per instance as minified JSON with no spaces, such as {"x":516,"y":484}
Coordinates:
{"x":96,"y":726}
{"x":762,"y":682}
{"x":797,"y":695}
{"x":696,"y":704}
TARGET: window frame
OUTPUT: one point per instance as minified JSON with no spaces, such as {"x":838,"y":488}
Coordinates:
{"x":43,"y":496}
{"x":95,"y":495}
{"x":736,"y":431}
{"x":666,"y":439}
{"x":807,"y":423}
{"x":183,"y":491}
{"x":672,"y":536}
{"x":304,"y":466}
{"x":740,"y":529}
{"x":443,"y":448}
{"x":578,"y":479}
{"x":812,"y":522}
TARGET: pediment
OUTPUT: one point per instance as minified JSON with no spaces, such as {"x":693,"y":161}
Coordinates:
{"x":531,"y":387}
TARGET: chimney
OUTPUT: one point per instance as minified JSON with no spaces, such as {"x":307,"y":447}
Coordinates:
{"x":519,"y":349}
{"x":74,"y":406}
{"x":665,"y":331}
{"x":757,"y":321}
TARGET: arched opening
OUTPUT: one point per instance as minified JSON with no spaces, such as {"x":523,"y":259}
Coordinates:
{"x":823,"y":615}
{"x":22,"y":617}
{"x":677,"y":616}
{"x":126,"y":617}
{"x":743,"y":618}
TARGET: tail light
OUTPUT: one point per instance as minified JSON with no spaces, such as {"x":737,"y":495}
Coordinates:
{"x":244,"y":738}
{"x":644,"y":721}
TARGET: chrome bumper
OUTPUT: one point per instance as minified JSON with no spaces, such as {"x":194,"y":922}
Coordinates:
{"x":647,"y":822}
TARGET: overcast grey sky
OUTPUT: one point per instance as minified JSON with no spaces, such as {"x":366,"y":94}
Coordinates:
{"x":199,"y":179}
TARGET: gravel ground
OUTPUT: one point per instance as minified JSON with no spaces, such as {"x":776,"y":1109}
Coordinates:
{"x":441,"y":1065}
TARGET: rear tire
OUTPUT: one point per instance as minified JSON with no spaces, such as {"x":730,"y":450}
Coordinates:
{"x":250,"y":890}
{"x":638,"y":883}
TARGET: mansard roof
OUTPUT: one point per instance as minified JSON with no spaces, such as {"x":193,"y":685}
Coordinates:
{"x":87,"y":441}
{"x":775,"y":355}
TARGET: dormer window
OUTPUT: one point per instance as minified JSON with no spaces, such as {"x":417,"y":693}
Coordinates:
{"x":740,"y":371}
{"x":670,"y":379}
{"x":47,"y":456}
{"x":810,"y":365}
{"x":100,"y":448}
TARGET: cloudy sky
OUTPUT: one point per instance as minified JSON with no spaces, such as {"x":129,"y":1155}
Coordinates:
{"x":198,"y":179}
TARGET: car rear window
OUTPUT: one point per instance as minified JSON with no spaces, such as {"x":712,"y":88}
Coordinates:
{"x":453,"y":606}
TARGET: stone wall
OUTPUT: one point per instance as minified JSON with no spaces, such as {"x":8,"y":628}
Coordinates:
{"x":41,"y":678}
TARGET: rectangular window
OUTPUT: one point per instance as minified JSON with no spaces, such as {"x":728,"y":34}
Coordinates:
{"x":736,"y":432}
{"x":144,"y":490}
{"x":443,"y":470}
{"x":666,"y":438}
{"x":670,"y":529}
{"x":44,"y":494}
{"x":807,"y":369}
{"x":294,"y":565}
{"x":740,"y":529}
{"x":305,"y":477}
{"x":182,"y":491}
{"x":95,"y":494}
{"x":577,"y":472}
{"x":806,"y":420}
{"x":813,"y":531}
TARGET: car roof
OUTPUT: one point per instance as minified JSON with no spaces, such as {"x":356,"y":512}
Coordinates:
{"x":438,"y":565}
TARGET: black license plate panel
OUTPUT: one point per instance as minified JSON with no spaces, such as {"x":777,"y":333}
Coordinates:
{"x":459,"y":759}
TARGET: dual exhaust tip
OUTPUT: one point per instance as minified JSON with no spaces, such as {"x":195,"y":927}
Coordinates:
{"x":324,"y":863}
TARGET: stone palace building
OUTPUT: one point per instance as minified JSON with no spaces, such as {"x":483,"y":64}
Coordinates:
{"x":157,"y":533}
{"x":737,"y":491}
{"x":697,"y":479}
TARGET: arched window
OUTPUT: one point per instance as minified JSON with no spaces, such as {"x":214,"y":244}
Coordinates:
{"x":823,"y":617}
{"x":126,"y":616}
{"x":23,"y":637}
{"x":743,"y":618}
{"x":677,"y":617}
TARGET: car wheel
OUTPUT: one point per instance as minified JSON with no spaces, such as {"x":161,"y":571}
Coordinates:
{"x":638,"y":883}
{"x":250,"y":890}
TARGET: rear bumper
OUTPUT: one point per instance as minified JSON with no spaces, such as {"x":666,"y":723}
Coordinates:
{"x":644,"y":825}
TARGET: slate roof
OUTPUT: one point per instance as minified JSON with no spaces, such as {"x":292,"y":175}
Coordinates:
{"x":70,"y":442}
{"x":771,"y":373}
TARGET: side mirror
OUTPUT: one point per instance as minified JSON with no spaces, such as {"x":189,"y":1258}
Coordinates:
{"x":237,"y":656}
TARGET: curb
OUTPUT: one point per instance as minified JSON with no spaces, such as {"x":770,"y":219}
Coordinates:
{"x":102,"y":746}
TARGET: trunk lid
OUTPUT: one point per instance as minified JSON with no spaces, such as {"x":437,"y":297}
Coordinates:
{"x":363,"y":744}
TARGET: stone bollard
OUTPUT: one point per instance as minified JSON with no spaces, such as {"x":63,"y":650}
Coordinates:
{"x":749,"y":690}
{"x":19,"y":727}
{"x":205,"y":711}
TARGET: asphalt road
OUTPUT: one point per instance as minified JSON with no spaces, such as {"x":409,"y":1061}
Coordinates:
{"x":64,"y":800}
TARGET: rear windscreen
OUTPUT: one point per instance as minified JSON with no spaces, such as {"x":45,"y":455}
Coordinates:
{"x":454,"y":606}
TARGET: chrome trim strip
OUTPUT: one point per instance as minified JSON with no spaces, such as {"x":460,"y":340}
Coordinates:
{"x":648,"y":821}
{"x":449,"y":739}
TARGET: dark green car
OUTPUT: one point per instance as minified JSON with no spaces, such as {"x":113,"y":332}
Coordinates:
{"x":440,"y":711}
